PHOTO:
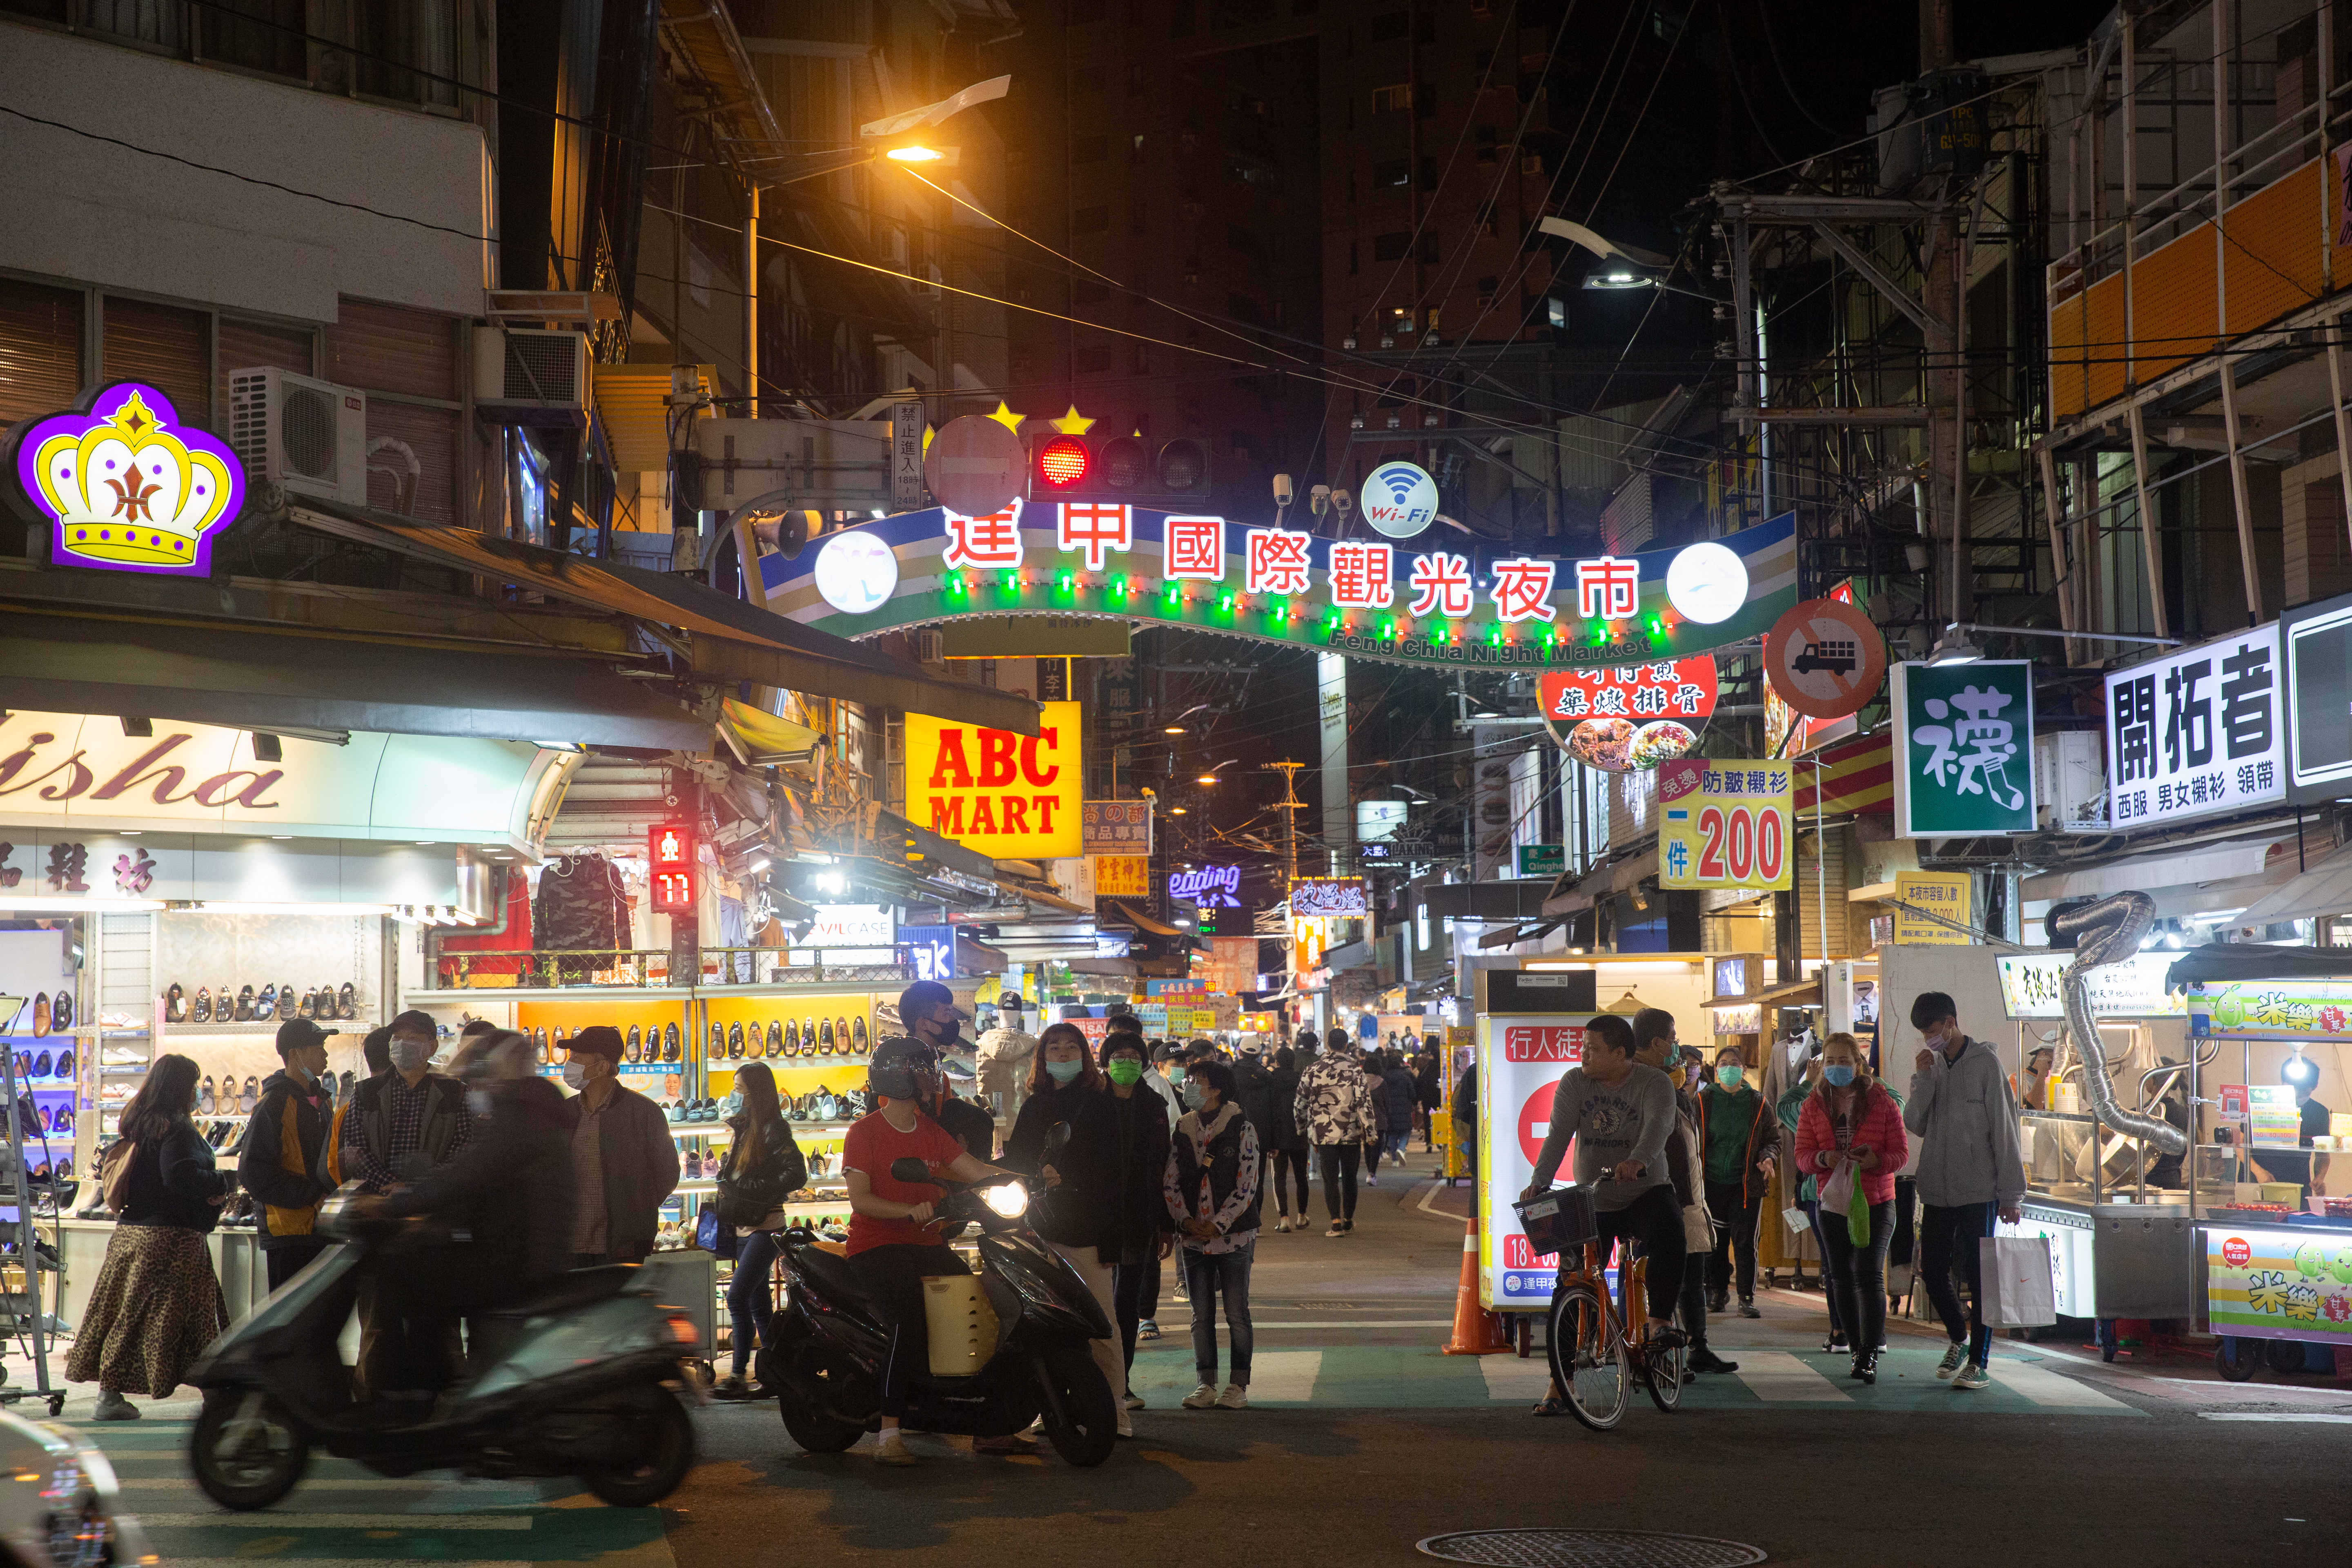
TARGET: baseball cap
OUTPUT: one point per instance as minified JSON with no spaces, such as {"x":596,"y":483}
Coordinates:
{"x":294,"y":1034}
{"x":924,"y":994}
{"x":597,"y":1039}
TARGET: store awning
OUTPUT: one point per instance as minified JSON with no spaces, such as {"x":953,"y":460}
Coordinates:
{"x":1798,"y":993}
{"x":1518,"y":897}
{"x":254,"y":678}
{"x":975,"y":957}
{"x":760,"y":738}
{"x":1531,"y":931}
{"x":1141,"y":922}
{"x":1123,"y":968}
{"x":2224,"y":961}
{"x":632,"y":400}
{"x":2151,"y":873}
{"x":2324,"y":889}
{"x":744,"y":642}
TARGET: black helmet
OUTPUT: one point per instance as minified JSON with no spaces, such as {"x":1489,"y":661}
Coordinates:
{"x":898,"y":1063}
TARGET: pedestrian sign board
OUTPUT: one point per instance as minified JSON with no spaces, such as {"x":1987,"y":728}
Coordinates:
{"x":1724,"y":823}
{"x":2200,"y":731}
{"x":1963,"y":749}
{"x":1521,"y":1057}
{"x":1921,"y":894}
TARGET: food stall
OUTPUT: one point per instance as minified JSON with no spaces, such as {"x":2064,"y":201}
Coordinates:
{"x":2275,"y":1257}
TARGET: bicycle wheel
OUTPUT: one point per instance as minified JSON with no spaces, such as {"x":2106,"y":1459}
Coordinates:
{"x":1588,"y":1359}
{"x":1662,"y":1374}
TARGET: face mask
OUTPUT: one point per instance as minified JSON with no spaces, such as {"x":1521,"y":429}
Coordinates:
{"x":477,"y":1102}
{"x":575,"y":1074}
{"x":734,"y":1102}
{"x":1839,"y":1075}
{"x":408,"y":1055}
{"x":1126,"y":1072}
{"x":1065,"y":1072}
{"x":1729,"y":1076}
{"x":1195,"y":1096}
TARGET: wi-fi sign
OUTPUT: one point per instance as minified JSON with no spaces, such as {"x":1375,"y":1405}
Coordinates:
{"x":1399,"y":500}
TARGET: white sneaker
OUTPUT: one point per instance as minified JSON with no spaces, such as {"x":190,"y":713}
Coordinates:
{"x":1201,"y":1398}
{"x":1235,"y":1397}
{"x":892,"y":1450}
{"x":1371,"y":1181}
{"x":1125,"y":1428}
{"x":1282,"y":1225}
{"x":1337,"y":1229}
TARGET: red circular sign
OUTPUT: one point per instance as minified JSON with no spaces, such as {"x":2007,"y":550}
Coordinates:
{"x":1535,"y":1120}
{"x":975,"y":466}
{"x":1826,"y":659}
{"x":2236,"y":1253}
{"x":1629,"y":718}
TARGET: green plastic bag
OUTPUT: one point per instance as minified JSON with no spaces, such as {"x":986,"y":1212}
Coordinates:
{"x":1857,"y":1215}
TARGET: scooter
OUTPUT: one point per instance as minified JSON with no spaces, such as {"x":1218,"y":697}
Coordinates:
{"x":825,"y":1364}
{"x":579,"y":1379}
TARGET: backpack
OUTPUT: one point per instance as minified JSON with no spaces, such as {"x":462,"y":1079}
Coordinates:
{"x":114,"y":1172}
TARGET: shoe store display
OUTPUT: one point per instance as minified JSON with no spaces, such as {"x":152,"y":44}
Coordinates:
{"x":735,"y":1040}
{"x":669,"y":1043}
{"x":40,"y":1016}
{"x":265,"y":1007}
{"x":175,"y":1004}
{"x":824,"y":1038}
{"x":635,"y":1044}
{"x":244,"y":1014}
{"x":40,"y":1066}
{"x":307,"y":1008}
{"x":347,"y":1001}
{"x":202,"y":1012}
{"x":65,"y":1064}
{"x":61,"y":1012}
{"x":773,"y":1041}
{"x":252,"y":1096}
{"x":792,"y":1039}
{"x":857,"y":1040}
{"x":673,"y":1111}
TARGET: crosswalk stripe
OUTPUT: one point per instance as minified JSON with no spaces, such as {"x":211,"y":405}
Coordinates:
{"x":2313,"y":1417}
{"x":2043,"y":1386}
{"x":268,"y":1518}
{"x":488,"y":1492}
{"x":1509,"y":1377}
{"x":1777,"y":1377}
{"x":1285,"y":1375}
{"x":371,"y":1562}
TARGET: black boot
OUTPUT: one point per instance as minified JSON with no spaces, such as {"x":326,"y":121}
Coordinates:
{"x":1702,"y":1359}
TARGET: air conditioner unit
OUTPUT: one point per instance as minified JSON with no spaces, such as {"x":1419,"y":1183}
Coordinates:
{"x":2070,"y":782}
{"x":530,"y":367}
{"x":307,"y":436}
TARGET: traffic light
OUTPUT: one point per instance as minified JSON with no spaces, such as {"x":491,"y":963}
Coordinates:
{"x":1172,"y":474}
{"x":670,"y":848}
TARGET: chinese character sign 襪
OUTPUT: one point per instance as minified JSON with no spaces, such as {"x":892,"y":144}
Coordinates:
{"x":1963,"y":749}
{"x":2198,"y":730}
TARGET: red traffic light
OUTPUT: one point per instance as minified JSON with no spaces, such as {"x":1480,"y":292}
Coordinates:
{"x":1063,"y":462}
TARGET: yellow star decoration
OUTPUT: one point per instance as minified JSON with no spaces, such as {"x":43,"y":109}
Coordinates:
{"x":1073,"y":423}
{"x":928,"y":434}
{"x":1006,"y":418}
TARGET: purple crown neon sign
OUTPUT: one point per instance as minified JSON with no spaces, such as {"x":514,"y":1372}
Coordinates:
{"x":126,"y":486}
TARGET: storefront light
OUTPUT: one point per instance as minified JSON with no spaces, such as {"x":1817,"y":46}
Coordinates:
{"x":47,"y":904}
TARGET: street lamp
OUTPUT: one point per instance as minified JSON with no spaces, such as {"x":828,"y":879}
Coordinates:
{"x":1623,"y":265}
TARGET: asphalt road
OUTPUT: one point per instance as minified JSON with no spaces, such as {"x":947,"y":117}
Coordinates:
{"x":1362,"y":1440}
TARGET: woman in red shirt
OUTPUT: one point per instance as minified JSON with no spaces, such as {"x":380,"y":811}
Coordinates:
{"x":1851,"y":1120}
{"x":891,"y":1243}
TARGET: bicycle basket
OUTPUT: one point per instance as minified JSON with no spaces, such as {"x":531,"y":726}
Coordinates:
{"x":1559,"y":1221}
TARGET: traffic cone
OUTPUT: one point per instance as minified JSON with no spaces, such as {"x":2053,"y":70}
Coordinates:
{"x":1476,"y":1332}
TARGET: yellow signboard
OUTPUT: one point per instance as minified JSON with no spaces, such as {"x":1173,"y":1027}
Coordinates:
{"x":1944,"y":893}
{"x":1723,"y":824}
{"x":1002,"y":794}
{"x":1123,"y":877}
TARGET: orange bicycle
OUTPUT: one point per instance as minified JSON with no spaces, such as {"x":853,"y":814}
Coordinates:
{"x":1596,"y":1352}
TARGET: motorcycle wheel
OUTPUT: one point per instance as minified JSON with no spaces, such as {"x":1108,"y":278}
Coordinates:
{"x":660,"y":1470}
{"x":244,"y":1454}
{"x":1081,"y":1415}
{"x":805,"y":1380}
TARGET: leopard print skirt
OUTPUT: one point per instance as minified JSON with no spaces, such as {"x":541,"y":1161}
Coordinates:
{"x":155,"y":1307}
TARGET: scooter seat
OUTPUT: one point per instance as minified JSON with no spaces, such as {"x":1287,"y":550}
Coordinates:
{"x":833,"y":1275}
{"x":580,"y":1288}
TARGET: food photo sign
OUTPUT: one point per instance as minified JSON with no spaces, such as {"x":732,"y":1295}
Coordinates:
{"x":1630,"y":718}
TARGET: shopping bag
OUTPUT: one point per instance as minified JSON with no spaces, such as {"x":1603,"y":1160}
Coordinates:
{"x":1837,"y":1188}
{"x":1698,"y":1228}
{"x":2017,"y":1289}
{"x":1857,"y":1215}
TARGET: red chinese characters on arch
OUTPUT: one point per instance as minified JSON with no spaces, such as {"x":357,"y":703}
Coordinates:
{"x":1193,"y":547}
{"x":1363,"y":576}
{"x":1441,"y":585}
{"x":1277,"y":562}
{"x":1522,"y":590}
{"x":991,"y":541}
{"x":1093,"y":528}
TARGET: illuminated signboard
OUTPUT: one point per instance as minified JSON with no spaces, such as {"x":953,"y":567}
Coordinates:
{"x":1211,"y":887}
{"x":670,"y":849}
{"x":125,"y":485}
{"x":1443,"y":603}
{"x":1329,"y":897}
{"x":1629,"y":719}
{"x":1006,"y":795}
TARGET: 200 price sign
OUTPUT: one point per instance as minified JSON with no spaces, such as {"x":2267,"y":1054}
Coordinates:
{"x":1724,"y":823}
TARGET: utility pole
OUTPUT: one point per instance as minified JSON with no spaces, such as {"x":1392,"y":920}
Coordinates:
{"x":1290,"y":806}
{"x":1946,"y":382}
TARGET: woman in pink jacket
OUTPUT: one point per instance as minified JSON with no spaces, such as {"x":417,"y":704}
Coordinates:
{"x":1854,"y":1120}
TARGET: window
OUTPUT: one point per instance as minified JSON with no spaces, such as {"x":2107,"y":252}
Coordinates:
{"x":247,"y":345}
{"x":406,"y":362}
{"x":1239,"y":443}
{"x":421,"y":35}
{"x":168,"y":348}
{"x":1485,"y":144}
{"x":1086,"y":79}
{"x":1424,"y":101}
{"x":1388,"y":27}
{"x":1429,"y":248}
{"x":1391,"y":246}
{"x":1193,"y":271}
{"x":40,"y":349}
{"x":1393,"y":100}
{"x":1090,"y":149}
{"x":1487,"y":287}
{"x":1392,"y":172}
{"x":1091,"y":220}
{"x":1531,"y":163}
{"x":1429,"y":174}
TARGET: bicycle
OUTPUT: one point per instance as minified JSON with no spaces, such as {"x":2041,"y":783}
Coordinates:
{"x":1595,"y":1352}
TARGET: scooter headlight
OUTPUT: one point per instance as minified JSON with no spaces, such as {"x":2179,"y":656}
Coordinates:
{"x":1011,"y":1199}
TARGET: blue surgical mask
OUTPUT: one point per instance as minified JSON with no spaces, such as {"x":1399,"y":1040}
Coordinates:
{"x":1730,"y":1074}
{"x":1840,"y":1075}
{"x":1065,"y":1072}
{"x":1195,"y":1096}
{"x":575,"y":1075}
{"x":734,"y":1102}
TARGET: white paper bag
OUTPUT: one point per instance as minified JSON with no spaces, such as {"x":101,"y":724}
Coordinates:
{"x":2018,"y":1285}
{"x":1837,"y":1188}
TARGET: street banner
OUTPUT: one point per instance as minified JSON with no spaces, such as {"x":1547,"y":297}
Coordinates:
{"x":1963,"y":749}
{"x":1724,"y":823}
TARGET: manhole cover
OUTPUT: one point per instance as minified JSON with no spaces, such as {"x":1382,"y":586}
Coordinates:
{"x":1589,"y":1549}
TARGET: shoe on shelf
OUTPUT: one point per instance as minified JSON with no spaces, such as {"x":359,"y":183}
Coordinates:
{"x":175,"y":1004}
{"x":1147,"y":1329}
{"x":1955,"y":1358}
{"x":1865,"y":1367}
{"x":1703,"y":1359}
{"x":1748,"y":1307}
{"x":892,"y":1450}
{"x":204,"y":1095}
{"x":1201,"y":1398}
{"x":1135,"y":1402}
{"x":114,"y":1408}
{"x":1972,"y":1378}
{"x":61,"y":1013}
{"x":41,"y":1021}
{"x":202,"y":1012}
{"x":1235,"y":1397}
{"x":347,"y":1001}
{"x":265,"y":1007}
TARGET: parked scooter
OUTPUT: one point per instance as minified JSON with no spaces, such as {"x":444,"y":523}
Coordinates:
{"x":579,"y":1379}
{"x":826,"y":1361}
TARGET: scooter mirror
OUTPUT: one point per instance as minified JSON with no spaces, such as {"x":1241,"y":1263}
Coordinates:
{"x":911,"y":1170}
{"x":1058,"y":1138}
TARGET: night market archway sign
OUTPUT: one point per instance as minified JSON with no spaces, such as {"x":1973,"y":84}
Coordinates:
{"x":1431,"y":602}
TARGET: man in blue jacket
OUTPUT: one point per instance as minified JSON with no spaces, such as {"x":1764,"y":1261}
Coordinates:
{"x":1969,"y":1173}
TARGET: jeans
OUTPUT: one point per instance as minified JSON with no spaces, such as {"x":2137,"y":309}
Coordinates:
{"x":1655,"y":1221}
{"x":1372,"y":1154}
{"x":1392,"y":1144}
{"x":1292,"y":1162}
{"x":1813,"y":1208}
{"x":1206,"y":1274}
{"x":751,"y":1294}
{"x":1858,"y":1276}
{"x":1947,"y":1239}
{"x":893,"y":1278}
{"x":1338,"y":1161}
{"x":1735,"y":1233}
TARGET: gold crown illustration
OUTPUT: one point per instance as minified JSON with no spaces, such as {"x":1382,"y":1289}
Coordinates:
{"x":126,"y":491}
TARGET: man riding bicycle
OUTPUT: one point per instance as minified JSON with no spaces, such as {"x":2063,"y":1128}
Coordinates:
{"x":1620,"y":1114}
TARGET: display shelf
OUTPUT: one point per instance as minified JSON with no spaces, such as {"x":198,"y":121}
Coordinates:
{"x":259,"y":1028}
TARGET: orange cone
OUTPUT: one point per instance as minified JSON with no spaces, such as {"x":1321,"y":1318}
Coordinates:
{"x":1476,"y":1332}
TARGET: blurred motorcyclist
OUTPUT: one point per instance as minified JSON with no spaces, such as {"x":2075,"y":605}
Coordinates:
{"x":502,"y":1207}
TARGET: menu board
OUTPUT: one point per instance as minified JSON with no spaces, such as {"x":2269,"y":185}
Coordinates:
{"x":2273,"y":1009}
{"x":2280,"y":1283}
{"x":2277,"y":1119}
{"x":2131,"y":989}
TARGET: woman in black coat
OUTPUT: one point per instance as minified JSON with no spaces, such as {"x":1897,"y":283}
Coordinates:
{"x":1083,"y":1190}
{"x":1284,"y":1140}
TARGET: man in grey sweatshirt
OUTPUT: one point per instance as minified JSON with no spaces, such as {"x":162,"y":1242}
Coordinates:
{"x":1621,"y":1113}
{"x":1969,"y":1171}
